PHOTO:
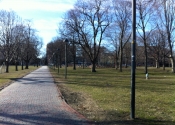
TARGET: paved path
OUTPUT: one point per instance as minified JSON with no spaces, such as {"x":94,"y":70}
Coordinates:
{"x":35,"y":100}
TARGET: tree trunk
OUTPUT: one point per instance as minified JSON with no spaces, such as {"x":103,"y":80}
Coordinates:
{"x":83,"y":63}
{"x":74,"y":59}
{"x":116,"y":65}
{"x":146,"y":60}
{"x":116,"y":61}
{"x":146,"y":65}
{"x":37,"y":64}
{"x":74,"y":56}
{"x":7,"y":66}
{"x":60,"y":62}
{"x":121,"y":60}
{"x":164,"y":62}
{"x":16,"y":65}
{"x":172,"y":64}
{"x":22,"y":65}
{"x":93,"y":66}
{"x":27,"y":65}
{"x":126,"y":63}
{"x":27,"y":62}
{"x":157,"y":63}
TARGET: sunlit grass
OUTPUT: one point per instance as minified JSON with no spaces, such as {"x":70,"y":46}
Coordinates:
{"x":5,"y":78}
{"x":110,"y":89}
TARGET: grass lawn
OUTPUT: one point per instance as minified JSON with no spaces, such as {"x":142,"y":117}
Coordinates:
{"x":6,"y":78}
{"x":104,"y":96}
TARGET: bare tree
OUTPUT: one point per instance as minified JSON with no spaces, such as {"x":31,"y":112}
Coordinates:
{"x":7,"y":42}
{"x":164,"y":47}
{"x":31,"y":45}
{"x":166,"y":13}
{"x":89,"y":19}
{"x":155,"y":46}
{"x":69,"y":33}
{"x":127,"y":54}
{"x":122,"y":25}
{"x":56,"y":46}
{"x":18,"y":38}
{"x":112,"y":35}
{"x":144,"y":25}
{"x":37,"y":45}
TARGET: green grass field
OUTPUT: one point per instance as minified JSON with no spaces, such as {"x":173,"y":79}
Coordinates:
{"x":6,"y":78}
{"x":110,"y":91}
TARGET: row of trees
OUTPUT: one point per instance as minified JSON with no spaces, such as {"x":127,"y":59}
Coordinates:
{"x":95,"y":24}
{"x":19,"y":42}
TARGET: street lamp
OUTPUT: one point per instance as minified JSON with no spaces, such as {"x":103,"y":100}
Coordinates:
{"x":66,"y":41}
{"x":53,"y":61}
{"x":133,"y":59}
{"x":58,"y":59}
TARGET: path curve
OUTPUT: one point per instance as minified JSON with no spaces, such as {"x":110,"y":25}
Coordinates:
{"x":35,"y":100}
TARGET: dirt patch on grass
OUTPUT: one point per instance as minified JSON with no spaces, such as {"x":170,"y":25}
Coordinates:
{"x":85,"y":105}
{"x":80,"y":102}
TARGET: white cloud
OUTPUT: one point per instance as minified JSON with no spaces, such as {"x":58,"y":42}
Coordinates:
{"x":47,"y":5}
{"x":45,"y":24}
{"x":47,"y":29}
{"x":45,"y":14}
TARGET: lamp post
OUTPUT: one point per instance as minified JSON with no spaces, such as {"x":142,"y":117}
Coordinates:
{"x":66,"y":41}
{"x":58,"y":59}
{"x":53,"y":61}
{"x":133,"y":59}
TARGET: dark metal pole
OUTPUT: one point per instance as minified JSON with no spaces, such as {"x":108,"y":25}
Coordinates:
{"x":66,"y":41}
{"x":58,"y":65}
{"x":133,"y":65}
{"x":53,"y":56}
{"x":58,"y":60}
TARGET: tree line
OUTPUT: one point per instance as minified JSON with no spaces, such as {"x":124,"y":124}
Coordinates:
{"x":19,"y":42}
{"x":102,"y":28}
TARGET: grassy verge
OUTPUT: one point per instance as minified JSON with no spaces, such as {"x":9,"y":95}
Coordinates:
{"x":104,"y":96}
{"x":6,"y":78}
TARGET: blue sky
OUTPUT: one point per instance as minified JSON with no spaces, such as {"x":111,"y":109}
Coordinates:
{"x":45,"y":14}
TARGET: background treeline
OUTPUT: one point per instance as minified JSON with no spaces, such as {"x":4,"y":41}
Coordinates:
{"x":99,"y":33}
{"x":19,"y":41}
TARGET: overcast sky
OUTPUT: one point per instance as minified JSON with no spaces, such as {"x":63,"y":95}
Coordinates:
{"x":45,"y":14}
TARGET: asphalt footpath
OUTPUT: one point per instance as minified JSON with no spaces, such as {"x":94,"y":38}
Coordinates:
{"x":35,"y":100}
